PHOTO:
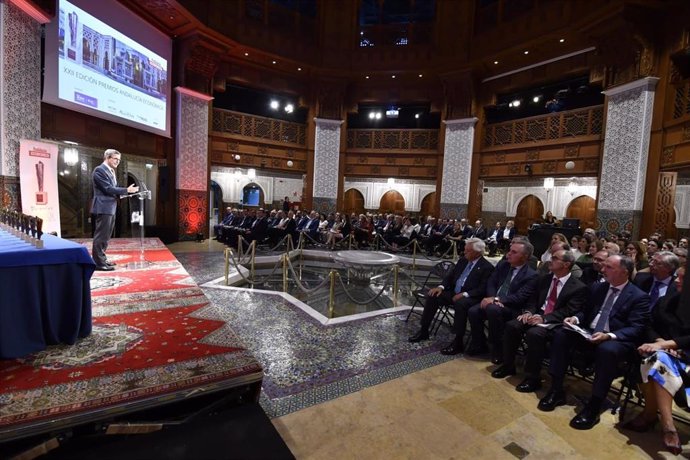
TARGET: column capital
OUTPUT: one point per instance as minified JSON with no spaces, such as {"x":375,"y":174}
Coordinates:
{"x":328,"y":122}
{"x":192,"y":93}
{"x":646,"y":84}
{"x":461,"y":121}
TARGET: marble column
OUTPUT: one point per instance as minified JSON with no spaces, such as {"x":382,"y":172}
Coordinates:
{"x":192,"y":163}
{"x":624,"y":160}
{"x":326,"y":163}
{"x":457,"y":167}
{"x":20,"y":91}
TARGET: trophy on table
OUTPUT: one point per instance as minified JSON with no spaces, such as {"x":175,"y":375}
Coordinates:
{"x":41,"y":196}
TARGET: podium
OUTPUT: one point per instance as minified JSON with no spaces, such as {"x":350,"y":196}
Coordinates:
{"x":138,"y":217}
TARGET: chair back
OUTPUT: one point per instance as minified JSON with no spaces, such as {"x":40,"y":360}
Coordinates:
{"x":442,"y":268}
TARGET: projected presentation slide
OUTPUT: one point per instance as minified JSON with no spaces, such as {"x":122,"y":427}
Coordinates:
{"x":103,"y":69}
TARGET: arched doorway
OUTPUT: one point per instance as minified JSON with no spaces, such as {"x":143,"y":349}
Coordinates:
{"x":252,"y":196}
{"x":583,"y":208}
{"x":428,"y":206}
{"x":529,"y":210}
{"x":215,"y":203}
{"x":353,"y":201}
{"x":392,"y":201}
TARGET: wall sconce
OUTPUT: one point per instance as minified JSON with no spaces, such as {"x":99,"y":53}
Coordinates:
{"x":251,"y":173}
{"x":237,"y":157}
{"x":290,"y":163}
{"x":528,"y":169}
{"x":71,"y":156}
{"x":572,"y":188}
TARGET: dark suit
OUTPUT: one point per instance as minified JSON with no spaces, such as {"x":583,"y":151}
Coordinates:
{"x":628,"y":320}
{"x":571,"y":300}
{"x":645,"y":281}
{"x":519,"y":298}
{"x":257,"y":232}
{"x":474,"y":286}
{"x":105,"y":195}
{"x":503,"y":243}
{"x":479,"y":232}
{"x":590,"y":275}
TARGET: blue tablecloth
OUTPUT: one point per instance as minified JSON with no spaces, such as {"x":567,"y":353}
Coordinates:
{"x":45,"y":294}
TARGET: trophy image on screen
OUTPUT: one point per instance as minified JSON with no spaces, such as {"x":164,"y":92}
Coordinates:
{"x":41,"y":196}
{"x":73,"y":22}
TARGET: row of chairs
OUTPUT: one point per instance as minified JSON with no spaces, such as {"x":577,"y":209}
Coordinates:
{"x":625,"y":390}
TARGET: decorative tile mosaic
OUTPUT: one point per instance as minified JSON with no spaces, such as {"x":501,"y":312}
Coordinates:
{"x":326,"y":158}
{"x":457,"y":161}
{"x":20,"y":84}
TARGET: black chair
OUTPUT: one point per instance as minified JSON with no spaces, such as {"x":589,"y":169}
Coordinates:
{"x":433,"y":279}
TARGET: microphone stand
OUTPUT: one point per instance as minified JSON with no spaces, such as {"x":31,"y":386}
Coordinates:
{"x":143,"y":194}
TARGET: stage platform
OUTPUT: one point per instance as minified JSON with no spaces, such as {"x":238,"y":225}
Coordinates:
{"x":156,"y":341}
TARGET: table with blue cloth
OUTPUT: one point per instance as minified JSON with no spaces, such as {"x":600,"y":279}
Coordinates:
{"x":45,"y":294}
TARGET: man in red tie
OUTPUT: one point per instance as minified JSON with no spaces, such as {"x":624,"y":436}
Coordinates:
{"x":559,"y":296}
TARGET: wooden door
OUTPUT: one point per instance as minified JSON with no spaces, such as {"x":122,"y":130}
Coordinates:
{"x":392,"y":201}
{"x":353,"y":201}
{"x":428,"y":206}
{"x":529,"y":210}
{"x":583,"y":208}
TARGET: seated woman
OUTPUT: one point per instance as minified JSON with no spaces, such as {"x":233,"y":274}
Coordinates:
{"x":549,"y":219}
{"x":664,"y":367}
{"x":363,"y":231}
{"x":409,"y":230}
{"x":594,"y":247}
{"x":340,"y":230}
{"x":638,"y":253}
{"x":456,"y":235}
{"x":546,"y":257}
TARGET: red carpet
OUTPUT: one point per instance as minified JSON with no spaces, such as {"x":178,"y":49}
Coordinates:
{"x":154,"y":335}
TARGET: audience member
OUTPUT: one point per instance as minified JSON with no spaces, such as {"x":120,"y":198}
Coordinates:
{"x":616,"y":317}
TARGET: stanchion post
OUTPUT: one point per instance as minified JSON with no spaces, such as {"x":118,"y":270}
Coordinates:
{"x":395,"y":285}
{"x":331,"y":295}
{"x":455,"y":251}
{"x":227,"y":264}
{"x":285,"y":272}
{"x":414,"y":257}
{"x":253,"y":249}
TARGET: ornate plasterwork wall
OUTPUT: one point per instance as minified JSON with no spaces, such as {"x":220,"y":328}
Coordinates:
{"x":373,"y":190}
{"x":20,"y":84}
{"x":457,"y":161}
{"x":624,"y":159}
{"x":682,"y":206}
{"x":505,"y":199}
{"x":192,"y":162}
{"x":326,"y":158}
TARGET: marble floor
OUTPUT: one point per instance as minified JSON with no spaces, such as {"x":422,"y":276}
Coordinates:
{"x":421,"y":406}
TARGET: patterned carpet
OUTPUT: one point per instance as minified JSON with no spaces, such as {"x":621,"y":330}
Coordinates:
{"x":155,"y":336}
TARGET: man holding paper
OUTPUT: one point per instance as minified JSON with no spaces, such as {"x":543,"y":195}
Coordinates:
{"x":616,"y":316}
{"x":559,"y":295}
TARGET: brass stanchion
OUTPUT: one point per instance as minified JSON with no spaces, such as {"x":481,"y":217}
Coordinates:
{"x":285,"y":272}
{"x":455,"y":251}
{"x":395,"y":285}
{"x":253,"y":249}
{"x":331,"y":295}
{"x":227,"y":264}
{"x":414,"y":257}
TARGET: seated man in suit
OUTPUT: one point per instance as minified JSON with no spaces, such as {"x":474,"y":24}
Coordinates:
{"x":492,"y":240}
{"x":227,"y":220}
{"x":462,"y":287}
{"x":479,"y":231}
{"x":506,"y":236}
{"x":659,"y":280}
{"x":259,"y":228}
{"x":509,"y":291}
{"x":592,"y":274}
{"x":616,"y":316}
{"x":559,"y":295}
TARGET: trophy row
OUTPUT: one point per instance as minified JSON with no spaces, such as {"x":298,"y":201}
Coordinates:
{"x":28,"y":228}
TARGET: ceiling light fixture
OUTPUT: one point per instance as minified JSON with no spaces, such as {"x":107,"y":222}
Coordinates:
{"x":526,"y":52}
{"x":561,"y":40}
{"x":392,"y":76}
{"x":495,"y":62}
{"x":275,"y":105}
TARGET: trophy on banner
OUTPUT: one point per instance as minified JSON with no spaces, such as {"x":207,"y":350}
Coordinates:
{"x":41,"y":196}
{"x":73,"y":23}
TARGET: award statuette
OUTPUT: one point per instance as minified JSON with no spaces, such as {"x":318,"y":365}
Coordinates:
{"x":41,"y":196}
{"x":73,"y":22}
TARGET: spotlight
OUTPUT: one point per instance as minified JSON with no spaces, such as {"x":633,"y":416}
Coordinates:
{"x":561,"y":40}
{"x":416,"y":115}
{"x":289,"y":108}
{"x":378,"y":115}
{"x":299,"y":69}
{"x":536,"y":99}
{"x":367,"y":77}
{"x":516,"y":103}
{"x":274,"y":104}
{"x":495,"y":62}
{"x":510,"y":104}
{"x":392,"y":76}
{"x":372,"y":115}
{"x":421,"y":75}
{"x":273,"y":62}
{"x":246,"y":54}
{"x":526,"y":52}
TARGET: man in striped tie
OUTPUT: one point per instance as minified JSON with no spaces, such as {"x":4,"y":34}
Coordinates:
{"x":614,"y":322}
